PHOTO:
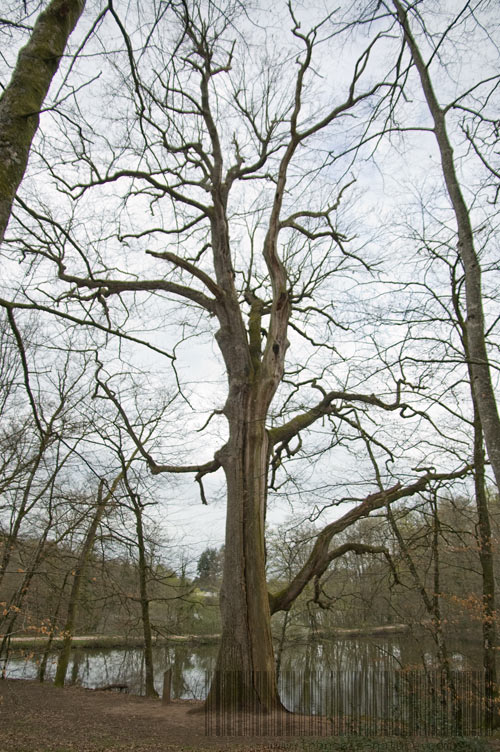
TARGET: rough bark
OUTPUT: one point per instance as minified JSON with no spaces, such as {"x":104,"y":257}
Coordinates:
{"x":482,"y":385}
{"x":22,"y":100}
{"x":253,"y":376}
{"x":245,"y":672}
{"x":246,"y":644}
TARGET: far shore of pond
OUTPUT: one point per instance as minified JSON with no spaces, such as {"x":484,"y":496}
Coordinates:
{"x":123,"y":641}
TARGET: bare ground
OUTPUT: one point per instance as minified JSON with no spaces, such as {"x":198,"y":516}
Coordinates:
{"x":41,"y":718}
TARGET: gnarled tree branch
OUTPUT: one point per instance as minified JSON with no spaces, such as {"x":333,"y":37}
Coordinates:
{"x":319,"y":557}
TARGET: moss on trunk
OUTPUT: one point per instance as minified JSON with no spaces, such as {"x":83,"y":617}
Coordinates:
{"x":23,"y":98}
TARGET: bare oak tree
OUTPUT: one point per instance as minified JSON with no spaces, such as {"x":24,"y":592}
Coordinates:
{"x":224,"y":147}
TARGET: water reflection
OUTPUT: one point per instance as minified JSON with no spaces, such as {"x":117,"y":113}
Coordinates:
{"x":300,"y":660}
{"x":101,"y":667}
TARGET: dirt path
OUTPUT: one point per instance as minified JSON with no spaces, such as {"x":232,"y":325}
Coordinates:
{"x":41,"y":718}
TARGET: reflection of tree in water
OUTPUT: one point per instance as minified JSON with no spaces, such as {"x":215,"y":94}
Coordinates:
{"x":181,"y":661}
{"x":75,"y":667}
{"x":190,"y":666}
{"x":356,"y":679}
{"x":310,"y":669}
{"x":312,"y":656}
{"x":100,"y":667}
{"x":320,"y":675}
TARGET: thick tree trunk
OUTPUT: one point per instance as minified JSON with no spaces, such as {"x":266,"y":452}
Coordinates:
{"x":22,"y":100}
{"x":245,"y":672}
{"x":245,"y":676}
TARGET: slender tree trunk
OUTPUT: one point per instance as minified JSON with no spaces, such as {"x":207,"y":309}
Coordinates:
{"x":46,"y":651}
{"x":484,"y":538}
{"x":143,"y":589}
{"x":22,"y":100}
{"x":432,"y":604}
{"x":143,"y":585}
{"x":21,"y":513}
{"x":437,"y":617}
{"x":488,"y":577}
{"x":79,"y":571}
{"x":102,"y":501}
{"x":481,"y":376}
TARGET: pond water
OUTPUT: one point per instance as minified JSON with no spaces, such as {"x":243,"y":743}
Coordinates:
{"x":192,"y":665}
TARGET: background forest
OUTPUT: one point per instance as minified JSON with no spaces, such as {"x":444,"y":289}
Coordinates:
{"x":357,"y":592}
